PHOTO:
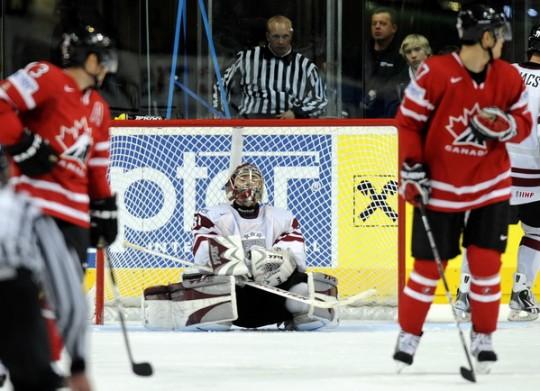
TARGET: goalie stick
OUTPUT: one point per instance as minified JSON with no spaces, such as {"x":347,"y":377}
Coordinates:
{"x":141,"y":368}
{"x":466,"y":373}
{"x":272,"y":289}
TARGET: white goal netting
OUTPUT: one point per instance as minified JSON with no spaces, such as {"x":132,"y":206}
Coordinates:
{"x":339,"y":181}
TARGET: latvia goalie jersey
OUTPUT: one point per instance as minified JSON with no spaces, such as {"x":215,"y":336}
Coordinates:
{"x":272,"y":227}
{"x":44,"y":99}
{"x":433,"y":122}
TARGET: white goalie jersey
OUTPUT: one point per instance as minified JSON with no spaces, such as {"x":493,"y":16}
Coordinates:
{"x":525,"y":156}
{"x":272,"y":228}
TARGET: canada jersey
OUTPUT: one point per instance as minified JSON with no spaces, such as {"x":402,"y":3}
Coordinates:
{"x":273,"y":227}
{"x":76,"y":125}
{"x":525,"y":156}
{"x":433,"y":123}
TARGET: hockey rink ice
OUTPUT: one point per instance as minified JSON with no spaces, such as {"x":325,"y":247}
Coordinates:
{"x":354,"y":356}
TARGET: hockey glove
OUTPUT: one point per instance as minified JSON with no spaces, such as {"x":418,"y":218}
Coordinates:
{"x":33,"y":155}
{"x":415,"y":184}
{"x":494,"y":124}
{"x":271,"y":267}
{"x":103,"y":221}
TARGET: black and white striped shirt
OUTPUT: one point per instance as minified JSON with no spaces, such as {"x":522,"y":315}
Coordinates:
{"x":272,"y":85}
{"x":31,"y":240}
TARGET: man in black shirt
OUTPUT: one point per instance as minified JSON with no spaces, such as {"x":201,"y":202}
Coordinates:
{"x":372,"y":89}
{"x":382,"y":66}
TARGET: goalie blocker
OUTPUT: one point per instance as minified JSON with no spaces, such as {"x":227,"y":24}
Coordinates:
{"x":210,"y":302}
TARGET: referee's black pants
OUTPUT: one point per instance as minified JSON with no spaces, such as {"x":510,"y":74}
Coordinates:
{"x":24,"y":344}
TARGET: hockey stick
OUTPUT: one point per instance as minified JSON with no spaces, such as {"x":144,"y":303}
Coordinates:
{"x":272,"y":289}
{"x":141,"y":368}
{"x":466,"y":373}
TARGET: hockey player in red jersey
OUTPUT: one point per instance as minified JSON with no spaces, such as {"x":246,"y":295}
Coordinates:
{"x":525,"y":201}
{"x":453,"y":124}
{"x":55,"y":127}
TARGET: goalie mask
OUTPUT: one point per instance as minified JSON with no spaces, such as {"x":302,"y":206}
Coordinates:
{"x":245,"y":186}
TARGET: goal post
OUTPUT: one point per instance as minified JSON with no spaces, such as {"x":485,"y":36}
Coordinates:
{"x":338,"y":177}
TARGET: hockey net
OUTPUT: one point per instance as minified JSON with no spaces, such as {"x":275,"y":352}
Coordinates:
{"x":337,"y":177}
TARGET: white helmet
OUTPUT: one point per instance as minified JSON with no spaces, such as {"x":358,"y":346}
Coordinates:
{"x":245,"y":186}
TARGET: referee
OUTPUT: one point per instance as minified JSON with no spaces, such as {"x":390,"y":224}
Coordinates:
{"x":34,"y":257}
{"x":276,"y":82}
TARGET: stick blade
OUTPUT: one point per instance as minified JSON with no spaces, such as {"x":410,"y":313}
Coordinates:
{"x":467,"y":374}
{"x":142,"y":369}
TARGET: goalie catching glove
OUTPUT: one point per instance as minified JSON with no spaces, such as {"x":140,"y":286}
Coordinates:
{"x":415,"y":184}
{"x":103,"y":221}
{"x":494,"y":124}
{"x":271,"y":267}
{"x":33,"y":155}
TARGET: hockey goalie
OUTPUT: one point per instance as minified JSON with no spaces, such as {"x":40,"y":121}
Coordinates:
{"x":243,"y":240}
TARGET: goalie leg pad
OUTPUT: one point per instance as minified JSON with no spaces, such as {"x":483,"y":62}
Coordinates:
{"x":207,"y":303}
{"x":307,"y":318}
{"x":156,"y":308}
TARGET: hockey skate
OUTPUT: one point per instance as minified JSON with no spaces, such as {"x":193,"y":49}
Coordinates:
{"x":462,"y":305}
{"x":406,"y":346}
{"x":482,"y":350}
{"x":523,"y":306}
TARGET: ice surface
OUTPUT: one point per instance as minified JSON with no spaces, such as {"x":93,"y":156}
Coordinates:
{"x":354,"y":356}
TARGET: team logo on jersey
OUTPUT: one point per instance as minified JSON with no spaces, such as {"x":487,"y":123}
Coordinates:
{"x":465,"y":141}
{"x":75,"y":142}
{"x":251,"y":239}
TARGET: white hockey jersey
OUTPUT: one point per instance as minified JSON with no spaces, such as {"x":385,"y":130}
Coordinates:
{"x":525,"y":156}
{"x":273,"y":227}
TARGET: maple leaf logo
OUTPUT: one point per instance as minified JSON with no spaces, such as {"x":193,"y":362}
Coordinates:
{"x":75,"y":141}
{"x":462,"y":132}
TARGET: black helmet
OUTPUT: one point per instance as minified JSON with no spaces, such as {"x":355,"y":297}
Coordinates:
{"x":76,"y":45}
{"x":534,"y":40}
{"x":473,"y":20}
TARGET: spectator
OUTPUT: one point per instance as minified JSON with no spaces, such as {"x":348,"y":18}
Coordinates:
{"x":414,"y":49}
{"x":382,"y":67}
{"x":275,"y":81}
